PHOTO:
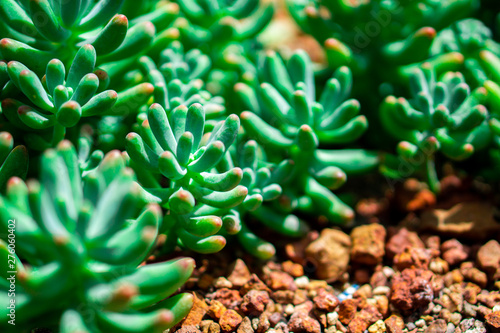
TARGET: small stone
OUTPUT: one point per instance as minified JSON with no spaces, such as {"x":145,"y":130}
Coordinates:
{"x":473,"y":274}
{"x":437,"y":326}
{"x":401,"y":240}
{"x":439,"y":266}
{"x":283,"y":296}
{"x":302,"y":322}
{"x":388,"y":271}
{"x":302,"y":282}
{"x":347,"y":310}
{"x":368,"y":242}
{"x":488,"y":257}
{"x":456,"y":318}
{"x":325,"y":301}
{"x":420,"y":323}
{"x":277,"y":280}
{"x":382,"y":290}
{"x":332,"y":318}
{"x":364,"y":319}
{"x":412,"y":257}
{"x":394,"y":324}
{"x":222,"y":282}
{"x":411,"y":326}
{"x":453,"y":252}
{"x":239,"y":273}
{"x":412,"y":289}
{"x":292,"y":268}
{"x":299,"y":297}
{"x":330,"y":254}
{"x":216,"y":310}
{"x":289,"y":309}
{"x":378,"y":327}
{"x":197,"y":312}
{"x":450,"y":328}
{"x":230,"y":321}
{"x":254,"y":283}
{"x":489,"y":299}
{"x":493,"y":321}
{"x":188,"y":329}
{"x":254,"y":302}
{"x":245,"y":326}
{"x":229,"y":298}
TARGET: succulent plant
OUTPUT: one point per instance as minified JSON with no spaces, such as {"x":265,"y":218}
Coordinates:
{"x":70,"y":234}
{"x":58,"y":100}
{"x":288,"y":122}
{"x":173,"y":144}
{"x":13,"y":160}
{"x":38,"y":31}
{"x":361,"y":33}
{"x":443,"y":114}
{"x":262,"y":180}
{"x":220,"y":22}
{"x":177,"y":79}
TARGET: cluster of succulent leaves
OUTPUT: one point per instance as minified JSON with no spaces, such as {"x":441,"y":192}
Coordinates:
{"x":150,"y":118}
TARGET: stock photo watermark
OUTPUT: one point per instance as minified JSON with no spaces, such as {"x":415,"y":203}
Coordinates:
{"x":11,"y":271}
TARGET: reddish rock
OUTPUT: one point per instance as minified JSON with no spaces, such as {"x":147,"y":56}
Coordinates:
{"x":188,"y":329}
{"x":453,"y":252}
{"x":394,"y":324}
{"x":254,"y":302}
{"x":412,"y":290}
{"x":301,"y":320}
{"x":216,"y":310}
{"x":277,"y":280}
{"x":299,"y":297}
{"x":401,"y":240}
{"x":347,"y":310}
{"x":368,"y":244}
{"x":293,"y":269}
{"x":363,"y":319}
{"x":254,"y":283}
{"x":471,"y":291}
{"x":382,"y":305}
{"x":229,"y":298}
{"x":489,"y":299}
{"x":283,"y":296}
{"x":412,"y":257}
{"x":488,"y":257}
{"x":245,"y":326}
{"x":473,"y":274}
{"x":378,"y":279}
{"x":493,"y":321}
{"x":197,"y":312}
{"x":325,"y":301}
{"x":330,"y":254}
{"x":437,"y":326}
{"x":230,"y":321}
{"x":239,"y":273}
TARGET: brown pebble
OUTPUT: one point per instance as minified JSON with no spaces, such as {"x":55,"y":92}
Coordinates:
{"x":325,"y":301}
{"x":230,"y":321}
{"x":437,"y":326}
{"x":347,"y":310}
{"x":216,"y":310}
{"x":401,"y":240}
{"x":363,"y":319}
{"x":368,"y":244}
{"x":302,"y":322}
{"x":293,"y":269}
{"x":254,"y":302}
{"x":197,"y":312}
{"x":238,"y":273}
{"x":488,"y":257}
{"x":394,"y":324}
{"x":277,"y":280}
{"x":412,"y":290}
{"x":229,"y":298}
{"x":330,"y":254}
{"x":493,"y":321}
{"x":245,"y":326}
{"x":453,"y":252}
